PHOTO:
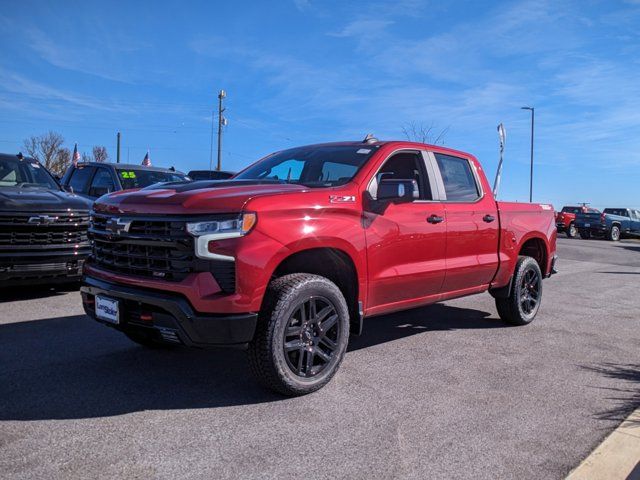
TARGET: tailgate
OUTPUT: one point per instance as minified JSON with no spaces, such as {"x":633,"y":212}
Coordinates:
{"x":587,"y":219}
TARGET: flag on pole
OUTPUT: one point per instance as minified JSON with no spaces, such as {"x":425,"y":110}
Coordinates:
{"x":76,"y":156}
{"x":502,"y":133}
{"x":147,"y":160}
{"x":503,"y":136}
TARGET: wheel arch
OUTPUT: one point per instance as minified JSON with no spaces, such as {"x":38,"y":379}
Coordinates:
{"x":334,"y":264}
{"x":536,"y":248}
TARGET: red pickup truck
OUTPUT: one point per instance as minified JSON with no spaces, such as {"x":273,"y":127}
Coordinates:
{"x":292,"y":254}
{"x":566,"y":218}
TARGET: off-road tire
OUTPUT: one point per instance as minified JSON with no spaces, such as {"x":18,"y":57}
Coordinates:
{"x":267,"y":359}
{"x":511,"y":309}
{"x":585,"y":235}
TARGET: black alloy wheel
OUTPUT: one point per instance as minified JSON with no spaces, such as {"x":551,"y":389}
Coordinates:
{"x":530,"y":291}
{"x":311,"y":337}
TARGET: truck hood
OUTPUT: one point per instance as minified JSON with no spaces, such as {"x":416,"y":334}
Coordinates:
{"x":33,"y":199}
{"x":192,"y":198}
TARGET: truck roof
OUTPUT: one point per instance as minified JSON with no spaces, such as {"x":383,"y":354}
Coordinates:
{"x":129,"y":166}
{"x":380,"y":143}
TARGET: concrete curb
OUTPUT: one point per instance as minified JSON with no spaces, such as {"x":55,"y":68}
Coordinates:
{"x":618,"y":457}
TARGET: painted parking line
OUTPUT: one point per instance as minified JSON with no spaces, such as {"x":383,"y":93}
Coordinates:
{"x":618,"y":457}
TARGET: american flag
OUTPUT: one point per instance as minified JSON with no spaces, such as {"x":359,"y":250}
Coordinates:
{"x":147,"y":160}
{"x":76,"y":156}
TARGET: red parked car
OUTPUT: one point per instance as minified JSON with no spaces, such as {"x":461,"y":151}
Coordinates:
{"x":565,"y":219}
{"x":292,"y":254}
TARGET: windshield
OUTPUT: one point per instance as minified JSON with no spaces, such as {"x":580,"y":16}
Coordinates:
{"x":25,"y":173}
{"x":140,"y":177}
{"x":617,"y":211}
{"x":571,"y":210}
{"x":311,"y":166}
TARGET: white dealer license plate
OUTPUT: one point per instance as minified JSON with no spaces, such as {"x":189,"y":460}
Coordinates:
{"x":107,"y":309}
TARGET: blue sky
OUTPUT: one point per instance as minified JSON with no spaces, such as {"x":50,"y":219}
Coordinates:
{"x":307,"y":71}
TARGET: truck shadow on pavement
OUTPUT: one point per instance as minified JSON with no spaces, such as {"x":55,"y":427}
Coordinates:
{"x":72,"y":367}
{"x":33,"y":292}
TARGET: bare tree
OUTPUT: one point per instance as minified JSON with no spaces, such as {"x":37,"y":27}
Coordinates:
{"x":86,"y":157}
{"x":45,"y":147}
{"x":421,"y":133}
{"x":62,"y":161}
{"x":100,"y":153}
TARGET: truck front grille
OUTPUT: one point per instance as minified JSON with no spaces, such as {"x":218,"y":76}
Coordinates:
{"x":38,"y":230}
{"x":154,"y":248}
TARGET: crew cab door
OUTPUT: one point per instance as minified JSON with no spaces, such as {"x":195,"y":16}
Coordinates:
{"x":472,"y":224}
{"x":405,"y":241}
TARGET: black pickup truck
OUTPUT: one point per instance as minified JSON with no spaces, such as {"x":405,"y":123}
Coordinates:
{"x":43,"y":229}
{"x":612,"y":224}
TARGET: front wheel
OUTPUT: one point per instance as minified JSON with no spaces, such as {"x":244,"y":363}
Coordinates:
{"x":523,"y":302}
{"x":572,"y":231}
{"x":614,"y":233}
{"x":302,"y":334}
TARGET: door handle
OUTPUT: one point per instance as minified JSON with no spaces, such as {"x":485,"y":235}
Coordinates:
{"x":488,"y":218}
{"x":435,"y":219}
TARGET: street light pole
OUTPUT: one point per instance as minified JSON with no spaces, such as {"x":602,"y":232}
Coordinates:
{"x":533,"y":119}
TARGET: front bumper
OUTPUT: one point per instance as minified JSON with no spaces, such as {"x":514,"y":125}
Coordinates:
{"x":168,"y":317}
{"x":28,"y":268}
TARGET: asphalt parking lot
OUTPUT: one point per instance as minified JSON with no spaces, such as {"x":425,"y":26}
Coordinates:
{"x":446,"y":391}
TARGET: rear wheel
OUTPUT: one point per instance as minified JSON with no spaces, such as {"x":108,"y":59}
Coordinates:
{"x":302,"y":334}
{"x":614,"y":233}
{"x":572,"y":231}
{"x":585,"y":234}
{"x":523,"y":302}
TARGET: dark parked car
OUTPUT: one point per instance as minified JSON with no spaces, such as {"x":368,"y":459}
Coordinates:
{"x":94,"y":179}
{"x":43,"y":229}
{"x":612,"y":224}
{"x":210,"y":175}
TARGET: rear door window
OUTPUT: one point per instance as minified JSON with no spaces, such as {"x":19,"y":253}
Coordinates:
{"x":79,"y":180}
{"x":459,"y":182}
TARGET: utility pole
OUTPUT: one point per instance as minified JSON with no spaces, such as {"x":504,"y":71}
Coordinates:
{"x":221,"y":123}
{"x":533,"y":118}
{"x":118,"y":149}
{"x":213,"y":119}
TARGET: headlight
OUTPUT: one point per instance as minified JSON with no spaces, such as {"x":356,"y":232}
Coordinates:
{"x":213,"y":230}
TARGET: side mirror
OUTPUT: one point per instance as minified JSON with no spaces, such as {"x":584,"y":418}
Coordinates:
{"x":398,"y":191}
{"x":67,"y":188}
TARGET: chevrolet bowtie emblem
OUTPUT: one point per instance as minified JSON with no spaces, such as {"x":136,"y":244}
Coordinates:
{"x":42,"y":220}
{"x":116,"y":226}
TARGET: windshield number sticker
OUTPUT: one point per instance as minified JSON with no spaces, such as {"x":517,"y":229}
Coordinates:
{"x":130,"y":174}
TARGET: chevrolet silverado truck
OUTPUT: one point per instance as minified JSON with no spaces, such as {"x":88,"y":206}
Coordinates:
{"x":565,"y":219}
{"x":291,"y":255}
{"x":94,"y":179}
{"x":612,"y":224}
{"x":43,"y":229}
